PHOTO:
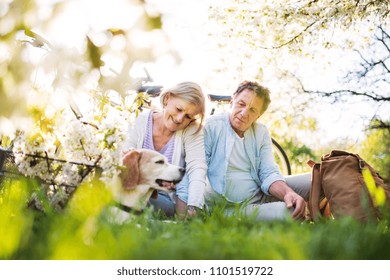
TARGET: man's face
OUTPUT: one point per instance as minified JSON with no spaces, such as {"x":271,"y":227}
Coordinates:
{"x":246,"y":109}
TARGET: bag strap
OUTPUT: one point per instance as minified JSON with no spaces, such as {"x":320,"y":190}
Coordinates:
{"x":315,"y":190}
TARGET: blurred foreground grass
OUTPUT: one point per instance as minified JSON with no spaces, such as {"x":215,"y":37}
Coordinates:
{"x":84,"y":231}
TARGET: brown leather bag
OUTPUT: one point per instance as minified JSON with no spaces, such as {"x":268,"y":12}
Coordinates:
{"x":338,"y":188}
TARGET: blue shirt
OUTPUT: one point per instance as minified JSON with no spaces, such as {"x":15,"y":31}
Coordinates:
{"x":219,"y":140}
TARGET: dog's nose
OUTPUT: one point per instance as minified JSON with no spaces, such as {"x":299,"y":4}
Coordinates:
{"x":182,"y":171}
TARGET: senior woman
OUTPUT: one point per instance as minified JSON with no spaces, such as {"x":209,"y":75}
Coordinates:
{"x":176,"y":132}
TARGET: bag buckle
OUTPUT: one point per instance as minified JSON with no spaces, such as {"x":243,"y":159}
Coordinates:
{"x":361,"y":164}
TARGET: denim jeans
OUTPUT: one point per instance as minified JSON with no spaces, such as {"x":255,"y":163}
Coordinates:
{"x":165,"y":202}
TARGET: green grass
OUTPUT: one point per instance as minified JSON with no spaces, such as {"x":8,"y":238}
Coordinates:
{"x":84,"y":231}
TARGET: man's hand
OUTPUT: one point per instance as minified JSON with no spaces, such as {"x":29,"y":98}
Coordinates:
{"x":281,"y":190}
{"x":292,"y":199}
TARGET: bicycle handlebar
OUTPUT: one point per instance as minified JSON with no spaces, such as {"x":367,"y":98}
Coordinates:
{"x":214,"y":97}
{"x":152,"y":91}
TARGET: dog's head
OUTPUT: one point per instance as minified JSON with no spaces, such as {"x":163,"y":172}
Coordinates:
{"x":148,"y":167}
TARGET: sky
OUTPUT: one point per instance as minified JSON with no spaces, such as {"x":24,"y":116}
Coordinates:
{"x":186,"y":26}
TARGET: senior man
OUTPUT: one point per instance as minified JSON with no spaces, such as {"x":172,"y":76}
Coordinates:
{"x":241,"y":167}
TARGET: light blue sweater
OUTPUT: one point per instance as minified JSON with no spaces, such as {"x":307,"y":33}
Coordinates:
{"x":219,"y":140}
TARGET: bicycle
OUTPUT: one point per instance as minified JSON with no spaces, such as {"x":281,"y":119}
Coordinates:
{"x":6,"y":158}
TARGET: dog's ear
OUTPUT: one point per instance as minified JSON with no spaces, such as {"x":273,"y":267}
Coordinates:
{"x":130,"y":176}
{"x":127,"y":151}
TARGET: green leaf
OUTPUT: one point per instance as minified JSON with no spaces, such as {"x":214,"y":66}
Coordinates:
{"x":377,"y":193}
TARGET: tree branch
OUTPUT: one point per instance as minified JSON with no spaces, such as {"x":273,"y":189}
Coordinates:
{"x":292,"y":39}
{"x":374,"y":97}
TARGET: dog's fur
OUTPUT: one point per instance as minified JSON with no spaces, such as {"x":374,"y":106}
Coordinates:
{"x":143,"y":175}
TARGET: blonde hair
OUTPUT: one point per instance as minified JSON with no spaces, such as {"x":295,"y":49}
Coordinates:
{"x":190,"y":92}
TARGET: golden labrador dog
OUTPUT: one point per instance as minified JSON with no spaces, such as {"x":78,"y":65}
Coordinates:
{"x":145,"y":172}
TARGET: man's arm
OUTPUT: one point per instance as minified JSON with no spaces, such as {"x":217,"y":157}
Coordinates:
{"x":281,"y":190}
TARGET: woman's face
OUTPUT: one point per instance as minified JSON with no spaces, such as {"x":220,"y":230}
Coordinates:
{"x":178,"y":113}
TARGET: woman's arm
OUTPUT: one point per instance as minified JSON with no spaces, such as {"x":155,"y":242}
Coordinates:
{"x":196,"y":166}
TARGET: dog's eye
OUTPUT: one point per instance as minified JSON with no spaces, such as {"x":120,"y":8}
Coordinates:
{"x":160,"y":161}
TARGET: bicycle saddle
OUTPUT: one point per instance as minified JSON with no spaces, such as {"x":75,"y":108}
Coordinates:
{"x":215,"y":97}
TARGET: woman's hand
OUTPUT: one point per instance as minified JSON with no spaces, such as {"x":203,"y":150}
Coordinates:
{"x":191,"y":211}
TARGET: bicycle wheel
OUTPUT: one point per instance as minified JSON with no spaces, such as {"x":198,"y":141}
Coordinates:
{"x":7,"y":165}
{"x":281,"y":158}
